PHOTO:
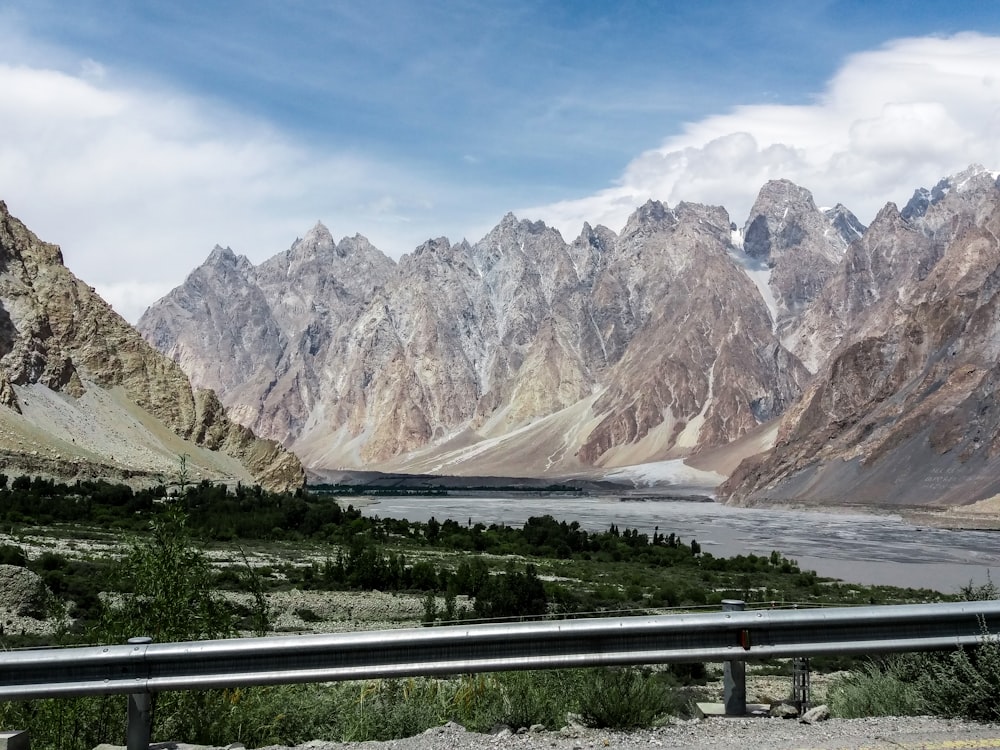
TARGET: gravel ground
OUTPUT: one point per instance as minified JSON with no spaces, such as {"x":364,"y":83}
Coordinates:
{"x":912,"y":733}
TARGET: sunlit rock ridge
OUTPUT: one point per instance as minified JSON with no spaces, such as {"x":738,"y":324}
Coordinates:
{"x":684,"y":334}
{"x":83,"y":396}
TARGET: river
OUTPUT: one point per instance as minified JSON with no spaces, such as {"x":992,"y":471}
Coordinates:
{"x":855,"y":547}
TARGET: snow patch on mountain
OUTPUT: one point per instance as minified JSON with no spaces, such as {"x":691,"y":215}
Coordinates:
{"x":760,"y":274}
{"x":671,"y":472}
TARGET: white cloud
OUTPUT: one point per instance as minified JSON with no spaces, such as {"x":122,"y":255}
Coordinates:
{"x":890,"y":120}
{"x":138,"y":183}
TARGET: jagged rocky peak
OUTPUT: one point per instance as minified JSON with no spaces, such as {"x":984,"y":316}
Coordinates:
{"x":515,"y":248}
{"x":22,"y":244}
{"x":649,"y":217}
{"x":963,"y":186}
{"x":611,"y":349}
{"x":358,"y":244}
{"x":903,"y":411}
{"x":783,"y":218}
{"x":510,"y":225}
{"x":438,"y":246}
{"x":221,"y":255}
{"x":224,"y":259}
{"x":434,"y":257}
{"x":591,"y":248}
{"x":600,"y":237}
{"x":797,"y":245}
{"x":973,"y":177}
{"x":318,"y":243}
{"x":845,"y":222}
{"x":316,"y":239}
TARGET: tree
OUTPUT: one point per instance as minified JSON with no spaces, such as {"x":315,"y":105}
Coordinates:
{"x":512,"y":594}
{"x":166,"y":590}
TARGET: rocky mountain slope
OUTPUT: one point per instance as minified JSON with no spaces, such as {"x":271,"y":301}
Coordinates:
{"x":83,"y":395}
{"x":465,"y":358}
{"x":903,"y":410}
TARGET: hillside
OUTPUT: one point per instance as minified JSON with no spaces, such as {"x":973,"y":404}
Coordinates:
{"x":83,"y":395}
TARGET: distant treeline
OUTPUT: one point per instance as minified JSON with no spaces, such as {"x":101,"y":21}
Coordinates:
{"x":216,"y":512}
{"x":403,"y":490}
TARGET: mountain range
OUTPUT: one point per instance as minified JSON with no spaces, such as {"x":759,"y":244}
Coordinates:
{"x":798,"y":357}
{"x":838,"y":362}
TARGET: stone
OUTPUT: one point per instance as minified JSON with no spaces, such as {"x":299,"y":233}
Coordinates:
{"x":813,"y":715}
{"x":783,"y":711}
{"x":22,"y":592}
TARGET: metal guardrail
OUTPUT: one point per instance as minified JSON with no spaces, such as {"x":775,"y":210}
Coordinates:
{"x":140,"y":668}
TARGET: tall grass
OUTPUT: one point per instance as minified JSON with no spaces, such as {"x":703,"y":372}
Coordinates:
{"x":963,"y":683}
{"x":358,"y":711}
{"x":886,"y":688}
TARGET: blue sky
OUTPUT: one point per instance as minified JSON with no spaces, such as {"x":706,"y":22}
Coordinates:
{"x":138,"y":135}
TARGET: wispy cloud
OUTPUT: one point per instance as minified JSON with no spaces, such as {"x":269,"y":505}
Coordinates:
{"x":889,"y":121}
{"x":138,"y":185}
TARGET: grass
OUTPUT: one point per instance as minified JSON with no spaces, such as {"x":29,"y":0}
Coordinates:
{"x":361,"y":711}
{"x":962,"y":683}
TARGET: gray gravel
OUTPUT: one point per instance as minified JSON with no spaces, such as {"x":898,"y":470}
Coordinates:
{"x":913,"y":733}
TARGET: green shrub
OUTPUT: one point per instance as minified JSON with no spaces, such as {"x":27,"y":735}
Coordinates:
{"x":962,"y":683}
{"x":878,"y":689}
{"x":965,"y":683}
{"x":625,"y":698}
{"x":516,"y":699}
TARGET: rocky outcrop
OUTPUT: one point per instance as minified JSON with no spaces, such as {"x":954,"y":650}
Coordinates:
{"x":903,"y":412}
{"x":22,"y":592}
{"x":56,"y":334}
{"x":702,"y":367}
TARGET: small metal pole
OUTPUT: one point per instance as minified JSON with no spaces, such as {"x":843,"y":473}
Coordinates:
{"x":140,"y":709}
{"x":734,"y":673}
{"x":800,"y":683}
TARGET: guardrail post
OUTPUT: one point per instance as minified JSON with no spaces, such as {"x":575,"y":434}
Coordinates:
{"x":140,"y":711}
{"x":14,"y":740}
{"x":800,"y":683}
{"x":734,"y":673}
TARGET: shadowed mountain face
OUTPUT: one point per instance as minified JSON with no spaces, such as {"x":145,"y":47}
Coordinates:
{"x":83,"y":395}
{"x":903,"y":410}
{"x":861,"y":359}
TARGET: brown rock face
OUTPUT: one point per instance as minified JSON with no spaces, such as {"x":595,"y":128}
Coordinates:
{"x":703,"y":362}
{"x":904,"y":409}
{"x":56,"y":333}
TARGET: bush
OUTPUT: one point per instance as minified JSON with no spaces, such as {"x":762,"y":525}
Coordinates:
{"x":516,"y":699}
{"x":625,"y":699}
{"x":965,"y":683}
{"x":163,"y":589}
{"x":168,"y":590}
{"x":878,"y":689}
